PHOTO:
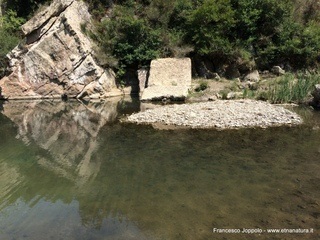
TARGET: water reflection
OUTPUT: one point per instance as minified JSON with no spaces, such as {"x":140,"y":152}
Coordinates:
{"x":66,"y":132}
{"x":71,"y":171}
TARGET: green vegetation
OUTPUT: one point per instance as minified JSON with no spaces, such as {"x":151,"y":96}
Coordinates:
{"x":9,"y":36}
{"x":265,"y":33}
{"x":209,"y":25}
{"x":246,"y":34}
{"x":23,"y":8}
{"x":292,"y":89}
{"x":202,"y":86}
{"x":128,"y":39}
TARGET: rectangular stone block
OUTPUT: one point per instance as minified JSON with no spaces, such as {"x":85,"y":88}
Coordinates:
{"x":169,"y":78}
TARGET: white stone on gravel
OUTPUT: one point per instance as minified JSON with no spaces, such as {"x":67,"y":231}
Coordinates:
{"x":219,"y":114}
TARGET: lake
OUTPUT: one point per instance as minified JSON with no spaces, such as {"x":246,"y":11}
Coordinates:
{"x":72,"y":170}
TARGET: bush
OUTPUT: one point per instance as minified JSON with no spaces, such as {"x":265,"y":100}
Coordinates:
{"x":8,"y":42}
{"x":24,"y":8}
{"x":128,"y":39}
{"x":202,"y":86}
{"x":9,"y":37}
{"x":11,"y":23}
{"x":209,"y":25}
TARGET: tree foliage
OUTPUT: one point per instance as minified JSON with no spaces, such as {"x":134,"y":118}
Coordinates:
{"x":267,"y":32}
{"x":130,"y":40}
{"x":133,"y":32}
{"x":209,"y":27}
{"x":9,"y":36}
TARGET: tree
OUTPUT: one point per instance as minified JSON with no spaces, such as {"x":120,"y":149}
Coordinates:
{"x":9,"y":36}
{"x":209,"y":27}
{"x":127,"y":38}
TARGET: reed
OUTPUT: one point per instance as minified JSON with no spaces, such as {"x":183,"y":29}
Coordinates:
{"x":292,"y":88}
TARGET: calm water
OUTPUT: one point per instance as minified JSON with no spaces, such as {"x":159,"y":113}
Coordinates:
{"x":73,"y":171}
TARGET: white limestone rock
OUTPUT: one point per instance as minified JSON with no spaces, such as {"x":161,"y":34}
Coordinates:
{"x":169,"y":78}
{"x":57,"y":58}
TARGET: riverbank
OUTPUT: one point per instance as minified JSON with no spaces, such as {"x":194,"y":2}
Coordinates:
{"x":220,"y":114}
{"x":299,"y":88}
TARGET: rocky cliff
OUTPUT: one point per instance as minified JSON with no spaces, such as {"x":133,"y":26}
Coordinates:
{"x":57,"y":58}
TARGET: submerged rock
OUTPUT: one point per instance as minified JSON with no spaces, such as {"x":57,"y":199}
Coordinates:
{"x":57,"y":58}
{"x":170,"y":78}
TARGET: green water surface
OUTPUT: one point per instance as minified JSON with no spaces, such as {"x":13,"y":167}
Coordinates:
{"x":73,"y":171}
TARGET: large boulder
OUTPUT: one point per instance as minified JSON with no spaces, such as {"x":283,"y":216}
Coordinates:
{"x":169,"y":78}
{"x":57,"y":58}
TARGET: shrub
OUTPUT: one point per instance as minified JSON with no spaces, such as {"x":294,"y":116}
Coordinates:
{"x":209,"y":25}
{"x":24,"y":8}
{"x":9,"y":37}
{"x":8,"y":42}
{"x":11,"y":23}
{"x":129,"y":40}
{"x":202,"y":86}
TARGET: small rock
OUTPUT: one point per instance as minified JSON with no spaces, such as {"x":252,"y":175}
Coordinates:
{"x":213,"y":98}
{"x":250,"y":85}
{"x":234,"y":95}
{"x":219,"y":96}
{"x":216,"y":76}
{"x":278,"y":70}
{"x":253,"y":77}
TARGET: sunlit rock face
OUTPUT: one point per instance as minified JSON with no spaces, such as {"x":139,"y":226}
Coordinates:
{"x":57,"y":58}
{"x":170,"y":78}
{"x":67,"y":132}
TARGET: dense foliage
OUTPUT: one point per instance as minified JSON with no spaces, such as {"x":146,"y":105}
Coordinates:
{"x":266,"y":32}
{"x":131,"y":33}
{"x":9,"y":36}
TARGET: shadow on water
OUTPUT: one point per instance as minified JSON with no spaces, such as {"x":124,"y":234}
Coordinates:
{"x":72,"y":171}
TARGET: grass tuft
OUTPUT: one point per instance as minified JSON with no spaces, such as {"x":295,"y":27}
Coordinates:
{"x":292,"y":88}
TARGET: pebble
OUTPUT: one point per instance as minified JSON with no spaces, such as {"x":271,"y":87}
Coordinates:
{"x":220,"y":114}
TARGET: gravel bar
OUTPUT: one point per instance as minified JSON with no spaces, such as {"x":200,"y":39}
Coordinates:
{"x":220,"y":114}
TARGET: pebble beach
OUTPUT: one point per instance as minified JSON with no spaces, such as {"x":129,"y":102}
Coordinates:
{"x":220,"y":114}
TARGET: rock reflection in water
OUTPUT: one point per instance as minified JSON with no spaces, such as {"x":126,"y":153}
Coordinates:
{"x":161,"y":184}
{"x":67,"y":131}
